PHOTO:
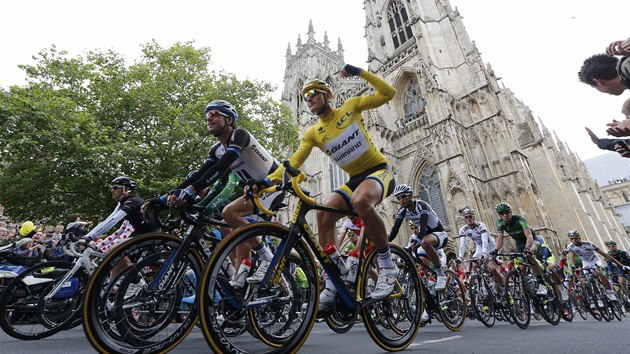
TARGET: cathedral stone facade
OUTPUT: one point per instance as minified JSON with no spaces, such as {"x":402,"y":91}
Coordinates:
{"x":452,"y":132}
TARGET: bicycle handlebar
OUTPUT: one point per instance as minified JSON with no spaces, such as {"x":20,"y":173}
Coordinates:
{"x":297,"y":177}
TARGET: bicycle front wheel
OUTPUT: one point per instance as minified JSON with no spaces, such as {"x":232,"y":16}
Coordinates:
{"x":125,"y":312}
{"x":393,"y":322}
{"x":516,"y":297}
{"x":278,"y":313}
{"x":481,"y":301}
{"x":452,"y":302}
{"x":28,"y":308}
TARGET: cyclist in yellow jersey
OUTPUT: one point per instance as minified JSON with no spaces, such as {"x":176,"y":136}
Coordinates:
{"x":341,"y":134}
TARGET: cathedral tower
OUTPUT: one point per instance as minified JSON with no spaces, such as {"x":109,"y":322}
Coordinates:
{"x":453,"y":132}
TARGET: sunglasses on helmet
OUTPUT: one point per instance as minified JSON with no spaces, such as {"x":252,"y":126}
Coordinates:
{"x":310,"y":93}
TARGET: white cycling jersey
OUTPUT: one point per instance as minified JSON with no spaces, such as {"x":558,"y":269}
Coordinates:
{"x":478,"y":232}
{"x":587,"y":251}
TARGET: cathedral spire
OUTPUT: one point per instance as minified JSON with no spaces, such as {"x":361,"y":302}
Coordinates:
{"x":326,"y":41}
{"x":545,"y":131}
{"x":560,"y":144}
{"x":340,"y":49}
{"x":288,"y":50}
{"x":299,"y":42}
{"x":311,"y":32}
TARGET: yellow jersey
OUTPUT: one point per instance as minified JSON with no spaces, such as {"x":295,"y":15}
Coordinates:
{"x":341,"y":134}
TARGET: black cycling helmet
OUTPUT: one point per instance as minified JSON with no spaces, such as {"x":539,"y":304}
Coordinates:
{"x":224,"y":107}
{"x":125,"y":182}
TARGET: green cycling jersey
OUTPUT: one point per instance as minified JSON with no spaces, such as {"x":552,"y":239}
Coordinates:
{"x":515,"y":227}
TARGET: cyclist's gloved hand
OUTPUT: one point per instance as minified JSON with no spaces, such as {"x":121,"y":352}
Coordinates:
{"x":527,"y":251}
{"x":626,"y":268}
{"x":494,"y":253}
{"x":186,"y":194}
{"x":352,"y":70}
{"x":254,"y":186}
{"x":159,"y":201}
{"x":484,"y":256}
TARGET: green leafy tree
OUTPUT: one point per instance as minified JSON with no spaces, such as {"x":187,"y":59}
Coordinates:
{"x":81,"y":121}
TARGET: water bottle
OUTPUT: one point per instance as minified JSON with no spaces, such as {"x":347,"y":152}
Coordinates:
{"x":493,"y":288}
{"x":431,"y":284}
{"x":353,"y":266}
{"x":241,"y":276}
{"x":335,"y":257}
{"x":533,"y":283}
{"x":228,"y":267}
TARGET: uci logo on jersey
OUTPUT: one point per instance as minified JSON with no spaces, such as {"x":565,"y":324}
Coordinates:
{"x":343,"y":122}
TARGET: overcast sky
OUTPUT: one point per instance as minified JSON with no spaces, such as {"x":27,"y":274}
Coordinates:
{"x":535,"y":46}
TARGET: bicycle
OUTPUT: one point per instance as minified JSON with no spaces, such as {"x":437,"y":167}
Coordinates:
{"x":485,"y":298}
{"x":521,"y":294}
{"x":447,"y":305}
{"x":47,"y":298}
{"x":140,"y":308}
{"x":599,"y":305}
{"x":391,"y":322}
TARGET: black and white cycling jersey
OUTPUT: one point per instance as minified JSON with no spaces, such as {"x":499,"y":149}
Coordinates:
{"x":242,"y":154}
{"x":421,"y":207}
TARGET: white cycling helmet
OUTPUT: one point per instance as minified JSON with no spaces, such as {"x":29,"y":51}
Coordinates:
{"x":402,"y":189}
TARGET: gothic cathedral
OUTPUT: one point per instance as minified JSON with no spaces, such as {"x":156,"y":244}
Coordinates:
{"x":452,"y":132}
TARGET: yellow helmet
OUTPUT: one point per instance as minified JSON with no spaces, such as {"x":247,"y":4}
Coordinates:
{"x":317,"y":85}
{"x":26,"y":228}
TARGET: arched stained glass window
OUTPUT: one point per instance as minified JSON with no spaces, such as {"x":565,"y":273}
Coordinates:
{"x":399,"y":24}
{"x":431,"y":193}
{"x":413,"y":102}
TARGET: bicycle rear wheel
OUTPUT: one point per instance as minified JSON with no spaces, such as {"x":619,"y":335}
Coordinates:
{"x":517,"y":298}
{"x":279,"y":315}
{"x":393,"y":323}
{"x":128,"y":313}
{"x":26,"y":314}
{"x":337,"y":325}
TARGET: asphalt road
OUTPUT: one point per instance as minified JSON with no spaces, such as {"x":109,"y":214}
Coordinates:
{"x":580,"y":336}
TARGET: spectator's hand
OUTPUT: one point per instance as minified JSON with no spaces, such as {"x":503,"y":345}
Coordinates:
{"x":594,"y":137}
{"x":619,"y":48}
{"x":623,"y":149}
{"x":619,"y":129}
